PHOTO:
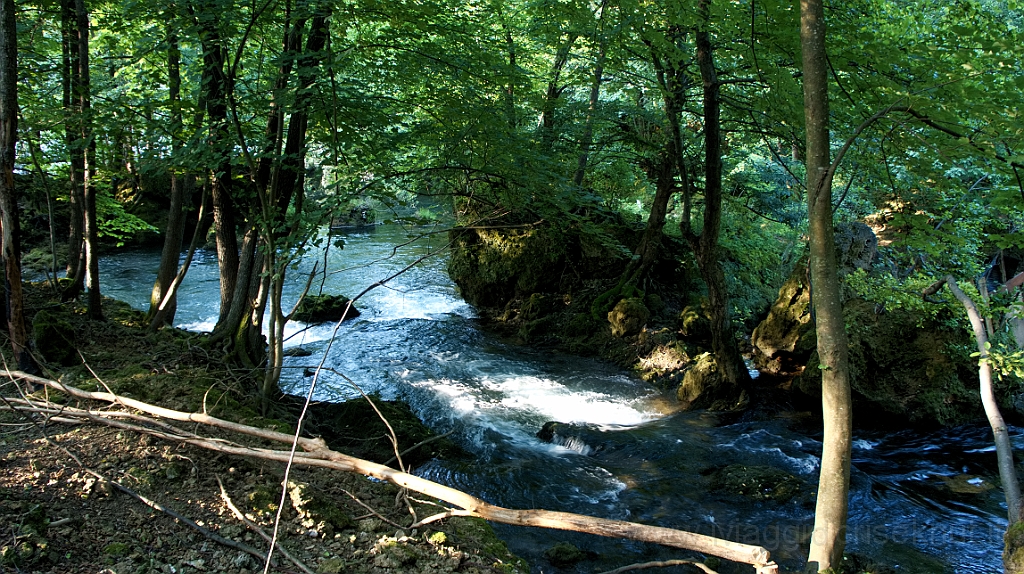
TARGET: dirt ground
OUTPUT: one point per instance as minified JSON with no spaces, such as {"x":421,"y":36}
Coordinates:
{"x":64,"y":506}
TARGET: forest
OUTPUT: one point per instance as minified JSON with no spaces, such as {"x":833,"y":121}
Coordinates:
{"x":754,"y":207}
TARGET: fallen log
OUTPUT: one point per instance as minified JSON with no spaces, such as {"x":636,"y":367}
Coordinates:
{"x":319,"y":455}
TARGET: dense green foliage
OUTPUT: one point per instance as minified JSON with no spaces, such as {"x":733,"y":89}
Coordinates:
{"x":542,"y":110}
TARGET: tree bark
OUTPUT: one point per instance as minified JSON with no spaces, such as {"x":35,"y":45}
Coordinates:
{"x":175,"y":232}
{"x":287,"y":190}
{"x":8,"y":194}
{"x":1000,"y":433}
{"x":72,"y":87}
{"x":216,"y":88}
{"x":586,"y":140}
{"x":723,"y":343}
{"x":828,"y":539}
{"x":89,"y":227}
{"x":553,"y":93}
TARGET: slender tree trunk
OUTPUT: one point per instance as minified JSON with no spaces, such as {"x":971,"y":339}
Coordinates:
{"x":159,"y":314}
{"x":705,"y":246}
{"x":89,"y":228}
{"x":829,"y":537}
{"x":175,"y":232}
{"x":216,"y":93}
{"x":287,"y":190}
{"x":510,"y":87}
{"x":73,"y":118}
{"x":1000,"y":433}
{"x":8,"y":195}
{"x":587,"y":139}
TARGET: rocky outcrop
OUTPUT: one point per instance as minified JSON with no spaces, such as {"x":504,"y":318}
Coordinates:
{"x":917,"y":370}
{"x":901,"y":363}
{"x":494,"y":266}
{"x":780,"y":345}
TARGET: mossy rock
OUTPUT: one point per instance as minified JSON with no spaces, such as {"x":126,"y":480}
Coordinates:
{"x":756,"y":482}
{"x":628,"y":317}
{"x":704,"y":387}
{"x":354,"y":427}
{"x":1013,"y":549}
{"x":531,"y":331}
{"x":477,"y":533}
{"x":563,"y":555}
{"x":903,"y":367}
{"x":41,"y":259}
{"x":655,"y":303}
{"x":537,"y":306}
{"x":900,"y":363}
{"x":780,"y":345}
{"x":496,"y":265}
{"x":116,"y":549}
{"x":331,"y":566}
{"x":263,"y":500}
{"x":324,"y":309}
{"x":581,"y":324}
{"x":54,"y":337}
{"x":694,"y":325}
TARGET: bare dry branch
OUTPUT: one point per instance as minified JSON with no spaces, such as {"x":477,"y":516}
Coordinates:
{"x":318,"y":455}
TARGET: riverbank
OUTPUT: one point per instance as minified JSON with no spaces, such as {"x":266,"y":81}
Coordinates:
{"x":63,"y":486}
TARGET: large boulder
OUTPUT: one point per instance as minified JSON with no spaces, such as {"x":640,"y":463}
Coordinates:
{"x":917,"y":370}
{"x":704,"y":387}
{"x":780,"y":345}
{"x":494,"y":266}
{"x":901,"y":363}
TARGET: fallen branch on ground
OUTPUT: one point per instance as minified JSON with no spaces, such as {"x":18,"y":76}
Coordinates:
{"x":317,"y":454}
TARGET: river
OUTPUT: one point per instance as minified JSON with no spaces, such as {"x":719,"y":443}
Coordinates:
{"x":927,"y":501}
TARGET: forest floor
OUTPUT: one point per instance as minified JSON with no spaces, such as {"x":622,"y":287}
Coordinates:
{"x":64,"y":506}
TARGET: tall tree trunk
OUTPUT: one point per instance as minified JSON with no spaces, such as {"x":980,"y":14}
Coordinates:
{"x":587,"y":139}
{"x":216,"y":88}
{"x":287,"y":190}
{"x":510,"y":87}
{"x":8,"y":196}
{"x":705,"y":246}
{"x":829,"y":537}
{"x":89,"y":228}
{"x":175,"y":232}
{"x":72,"y":87}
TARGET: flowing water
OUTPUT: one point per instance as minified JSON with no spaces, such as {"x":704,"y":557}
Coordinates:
{"x":925,"y":501}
